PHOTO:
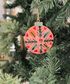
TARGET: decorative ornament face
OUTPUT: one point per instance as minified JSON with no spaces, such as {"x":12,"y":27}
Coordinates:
{"x":38,"y":39}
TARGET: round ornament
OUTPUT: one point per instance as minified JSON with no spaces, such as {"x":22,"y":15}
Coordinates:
{"x":38,"y":39}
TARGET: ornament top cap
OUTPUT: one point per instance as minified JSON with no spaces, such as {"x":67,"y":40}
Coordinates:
{"x":38,"y":23}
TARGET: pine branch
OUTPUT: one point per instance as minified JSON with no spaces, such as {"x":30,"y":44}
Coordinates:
{"x":43,"y":6}
{"x":47,"y":73}
{"x":61,"y":16}
{"x":8,"y":32}
{"x":53,"y":66}
{"x":8,"y":79}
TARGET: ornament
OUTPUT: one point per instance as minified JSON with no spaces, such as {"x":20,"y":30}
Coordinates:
{"x":38,"y":39}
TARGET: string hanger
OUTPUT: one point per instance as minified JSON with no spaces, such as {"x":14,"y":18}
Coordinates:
{"x":38,"y":16}
{"x":36,"y":12}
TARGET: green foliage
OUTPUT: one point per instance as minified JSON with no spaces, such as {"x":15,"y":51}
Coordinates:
{"x":39,"y":76}
{"x":58,"y":16}
{"x":8,"y":30}
{"x":68,"y":79}
{"x":24,"y":17}
{"x":63,"y":42}
{"x":51,"y":72}
{"x":17,"y":68}
{"x":37,"y":60}
{"x":28,"y":6}
{"x":53,"y":66}
{"x":62,"y":15}
{"x":47,"y":73}
{"x":43,"y":5}
{"x":58,"y":23}
{"x":8,"y":79}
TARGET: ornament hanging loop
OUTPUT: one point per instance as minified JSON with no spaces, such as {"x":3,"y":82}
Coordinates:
{"x":36,"y":12}
{"x":38,"y":17}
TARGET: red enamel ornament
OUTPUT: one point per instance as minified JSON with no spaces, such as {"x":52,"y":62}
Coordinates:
{"x":38,"y":40}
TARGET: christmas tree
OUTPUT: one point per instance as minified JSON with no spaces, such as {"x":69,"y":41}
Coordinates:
{"x":56,"y":15}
